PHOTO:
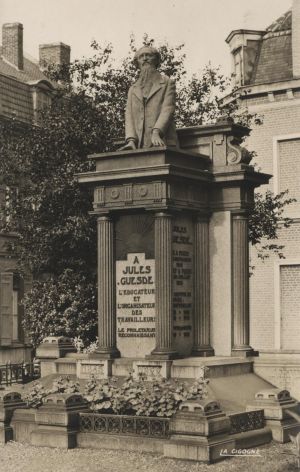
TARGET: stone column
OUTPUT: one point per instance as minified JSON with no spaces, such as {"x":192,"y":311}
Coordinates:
{"x":106,"y":289}
{"x":201,"y":345}
{"x":163,"y":287}
{"x":240,"y":285}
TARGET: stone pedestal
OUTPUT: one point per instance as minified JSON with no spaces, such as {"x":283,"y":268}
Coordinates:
{"x":22,"y":424}
{"x":9,"y":401}
{"x":163,"y":216}
{"x":57,"y":421}
{"x":54,"y":347}
{"x":281,"y":411}
{"x":200,"y":431}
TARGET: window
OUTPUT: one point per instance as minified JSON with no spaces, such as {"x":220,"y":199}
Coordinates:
{"x":287,"y":304}
{"x":238,"y":67}
{"x":286,"y":170}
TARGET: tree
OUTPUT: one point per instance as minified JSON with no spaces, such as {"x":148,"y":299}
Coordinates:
{"x":265,"y":220}
{"x":49,"y":213}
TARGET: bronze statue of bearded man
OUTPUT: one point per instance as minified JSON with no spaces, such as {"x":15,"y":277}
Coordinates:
{"x":149,"y":118}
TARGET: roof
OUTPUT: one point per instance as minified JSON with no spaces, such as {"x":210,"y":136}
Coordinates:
{"x":283,"y":23}
{"x":15,"y":99}
{"x":274,"y":58}
{"x":16,"y":88}
{"x":31,"y":70}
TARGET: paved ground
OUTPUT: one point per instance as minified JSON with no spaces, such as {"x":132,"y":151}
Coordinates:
{"x":15,"y":457}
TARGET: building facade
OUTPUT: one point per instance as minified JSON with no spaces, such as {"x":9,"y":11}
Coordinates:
{"x":24,"y":91}
{"x":266,"y":72}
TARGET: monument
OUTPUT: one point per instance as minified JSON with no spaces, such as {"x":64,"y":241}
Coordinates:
{"x":173,"y":287}
{"x":172,"y":217}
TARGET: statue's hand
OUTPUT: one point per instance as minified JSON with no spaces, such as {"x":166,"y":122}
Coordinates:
{"x":156,"y":139}
{"x":129,"y":145}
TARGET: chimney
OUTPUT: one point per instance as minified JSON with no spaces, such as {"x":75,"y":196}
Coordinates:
{"x":12,"y":44}
{"x":54,"y":53}
{"x":296,"y":37}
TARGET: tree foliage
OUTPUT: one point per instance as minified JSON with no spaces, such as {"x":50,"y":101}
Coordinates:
{"x":265,"y":221}
{"x":61,"y":305}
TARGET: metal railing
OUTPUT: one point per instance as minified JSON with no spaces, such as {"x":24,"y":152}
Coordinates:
{"x":19,"y":373}
{"x":125,"y":425}
{"x":247,"y":421}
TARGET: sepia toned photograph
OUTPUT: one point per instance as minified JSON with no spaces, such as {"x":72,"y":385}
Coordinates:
{"x":150,"y":235}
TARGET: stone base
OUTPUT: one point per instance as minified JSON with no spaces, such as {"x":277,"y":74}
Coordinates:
{"x":105,"y":354}
{"x":190,"y":368}
{"x":100,"y":369}
{"x":15,"y":353}
{"x":6,"y":434}
{"x":281,"y":430}
{"x":120,"y":443}
{"x":203,"y":352}
{"x":53,"y":437}
{"x":247,"y":352}
{"x":197,"y":448}
{"x":281,"y":412}
{"x":152,"y":368}
{"x":54,"y":347}
{"x":48,"y":367}
{"x":163,"y":356}
{"x":251,"y":439}
{"x":65,"y":366}
{"x":23,"y":423}
{"x":281,"y":369}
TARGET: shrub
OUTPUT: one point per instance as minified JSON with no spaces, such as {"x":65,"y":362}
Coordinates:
{"x":61,"y":306}
{"x":34,"y":397}
{"x":139,"y":397}
{"x":157,"y":397}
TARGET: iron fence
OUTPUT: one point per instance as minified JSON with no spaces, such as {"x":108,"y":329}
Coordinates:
{"x":122,"y":424}
{"x":19,"y":373}
{"x":247,"y":421}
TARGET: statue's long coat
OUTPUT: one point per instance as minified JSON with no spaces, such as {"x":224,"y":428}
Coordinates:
{"x":156,"y":112}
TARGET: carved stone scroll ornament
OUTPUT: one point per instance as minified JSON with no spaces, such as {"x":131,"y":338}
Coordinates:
{"x":236,"y":154}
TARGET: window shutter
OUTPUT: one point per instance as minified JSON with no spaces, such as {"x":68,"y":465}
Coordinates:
{"x":6,"y":307}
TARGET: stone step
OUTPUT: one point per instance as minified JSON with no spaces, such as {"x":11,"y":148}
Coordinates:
{"x":190,"y":368}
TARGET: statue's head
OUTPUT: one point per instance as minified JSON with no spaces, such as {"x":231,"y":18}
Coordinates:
{"x":147,"y":54}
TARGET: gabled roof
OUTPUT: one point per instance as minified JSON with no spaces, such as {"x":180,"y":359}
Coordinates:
{"x":16,"y":88}
{"x":30,"y":72}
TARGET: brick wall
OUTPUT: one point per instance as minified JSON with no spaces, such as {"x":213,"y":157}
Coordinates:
{"x":289,"y":170}
{"x":289,"y":306}
{"x":280,"y":118}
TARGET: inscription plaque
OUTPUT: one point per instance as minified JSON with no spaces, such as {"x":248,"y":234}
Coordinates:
{"x":135,"y":300}
{"x":183,"y":255}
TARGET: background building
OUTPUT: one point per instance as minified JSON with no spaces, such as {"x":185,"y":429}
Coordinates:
{"x":24,"y":91}
{"x":266,"y":70}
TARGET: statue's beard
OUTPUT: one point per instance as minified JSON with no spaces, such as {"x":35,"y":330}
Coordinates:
{"x":146,"y":75}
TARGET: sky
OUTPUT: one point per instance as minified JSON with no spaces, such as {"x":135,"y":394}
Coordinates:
{"x":202,"y":25}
